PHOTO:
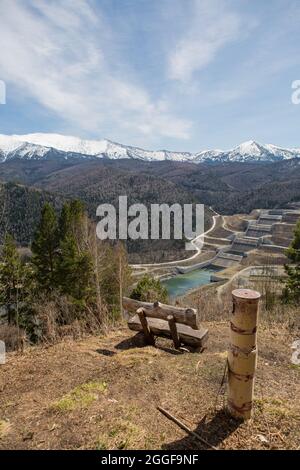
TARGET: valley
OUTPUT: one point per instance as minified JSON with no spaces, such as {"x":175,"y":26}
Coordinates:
{"x":228,"y":188}
{"x":251,"y":208}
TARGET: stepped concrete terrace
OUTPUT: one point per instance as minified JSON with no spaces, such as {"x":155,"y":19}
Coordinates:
{"x":267,"y":219}
{"x":281,"y":228}
{"x":255,"y":230}
{"x":291,"y":217}
{"x":258,"y":235}
{"x":224,"y":260}
{"x":221,"y":260}
{"x":282,"y":234}
{"x":241,"y":245}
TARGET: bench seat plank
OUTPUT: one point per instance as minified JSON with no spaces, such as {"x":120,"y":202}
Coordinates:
{"x":158,"y":327}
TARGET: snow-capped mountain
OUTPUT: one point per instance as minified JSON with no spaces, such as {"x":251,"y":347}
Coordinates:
{"x":208,"y":155}
{"x":36,"y":146}
{"x":44,"y":146}
{"x":252,"y":151}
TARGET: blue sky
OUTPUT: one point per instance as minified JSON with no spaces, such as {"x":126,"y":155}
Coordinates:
{"x":172,"y":74}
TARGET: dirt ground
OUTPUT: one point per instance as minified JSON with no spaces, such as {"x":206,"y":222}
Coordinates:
{"x":102,"y":393}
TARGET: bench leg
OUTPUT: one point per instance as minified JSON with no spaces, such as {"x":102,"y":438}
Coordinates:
{"x":173,"y":330}
{"x":148,"y":335}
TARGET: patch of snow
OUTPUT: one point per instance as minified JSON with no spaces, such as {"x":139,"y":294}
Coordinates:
{"x":9,"y":143}
{"x":65,"y":143}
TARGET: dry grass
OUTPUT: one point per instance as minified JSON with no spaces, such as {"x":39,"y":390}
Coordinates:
{"x":4,"y":428}
{"x":236,"y":222}
{"x":122,"y":434}
{"x":56,"y":398}
{"x":13,"y":337}
{"x":131,"y":357}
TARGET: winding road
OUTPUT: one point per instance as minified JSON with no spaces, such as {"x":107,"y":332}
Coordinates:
{"x":192,"y":242}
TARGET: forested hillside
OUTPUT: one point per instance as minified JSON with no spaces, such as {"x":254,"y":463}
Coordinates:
{"x":21,"y":205}
{"x":228,"y":187}
{"x":21,"y":208}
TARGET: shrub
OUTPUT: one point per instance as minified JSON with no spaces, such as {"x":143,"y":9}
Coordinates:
{"x":149,"y":289}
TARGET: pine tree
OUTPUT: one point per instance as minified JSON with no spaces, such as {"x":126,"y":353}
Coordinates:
{"x":72,"y":220}
{"x":13,"y":279}
{"x":45,"y":248}
{"x":292,"y":286}
{"x":64,"y":222}
{"x":75,"y":271}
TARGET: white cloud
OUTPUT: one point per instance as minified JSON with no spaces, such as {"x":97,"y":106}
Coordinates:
{"x":58,"y":53}
{"x":213,"y":25}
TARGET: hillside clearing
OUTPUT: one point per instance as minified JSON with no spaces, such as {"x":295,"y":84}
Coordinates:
{"x":102,"y":393}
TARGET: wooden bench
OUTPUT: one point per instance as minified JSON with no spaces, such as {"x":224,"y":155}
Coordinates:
{"x":156,"y":319}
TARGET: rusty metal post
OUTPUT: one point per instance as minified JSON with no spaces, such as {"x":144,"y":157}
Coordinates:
{"x":242,"y":354}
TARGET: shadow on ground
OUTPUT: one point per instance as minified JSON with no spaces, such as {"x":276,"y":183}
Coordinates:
{"x":214,"y":431}
{"x":106,"y":352}
{"x":138,"y":341}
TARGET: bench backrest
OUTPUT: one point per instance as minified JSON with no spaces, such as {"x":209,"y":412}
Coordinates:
{"x":185,"y":316}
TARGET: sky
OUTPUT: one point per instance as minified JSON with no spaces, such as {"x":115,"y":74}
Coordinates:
{"x":183,"y":75}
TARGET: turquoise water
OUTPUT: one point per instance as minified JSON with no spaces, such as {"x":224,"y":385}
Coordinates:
{"x":181,"y":284}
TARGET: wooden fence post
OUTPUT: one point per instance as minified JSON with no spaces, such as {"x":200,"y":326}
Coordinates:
{"x":147,"y":333}
{"x":242,"y":354}
{"x":173,"y":330}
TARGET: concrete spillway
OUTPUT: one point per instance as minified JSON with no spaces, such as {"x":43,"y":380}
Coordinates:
{"x":269,"y":232}
{"x":241,"y":245}
{"x":224,"y":260}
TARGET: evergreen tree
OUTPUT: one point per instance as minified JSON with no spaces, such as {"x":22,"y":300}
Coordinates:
{"x":14,"y":279}
{"x":75,"y":271}
{"x":72,"y":220}
{"x":292,"y":286}
{"x":45,"y":248}
{"x":64,"y":221}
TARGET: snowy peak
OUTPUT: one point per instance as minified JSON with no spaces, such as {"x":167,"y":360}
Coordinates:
{"x":44,"y":146}
{"x":249,"y":148}
{"x":249,"y":151}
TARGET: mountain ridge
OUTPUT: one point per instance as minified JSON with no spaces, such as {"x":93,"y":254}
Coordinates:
{"x":43,"y":146}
